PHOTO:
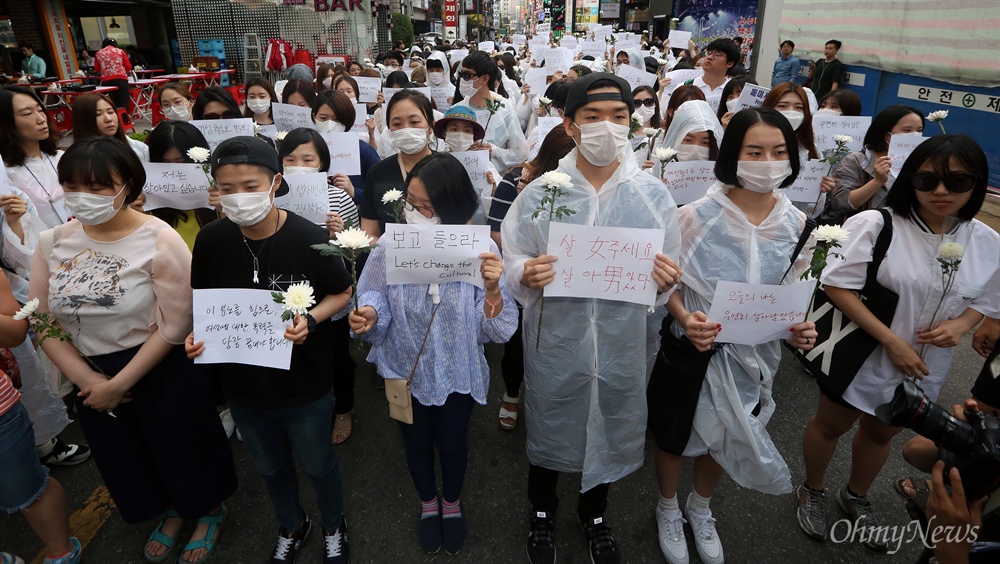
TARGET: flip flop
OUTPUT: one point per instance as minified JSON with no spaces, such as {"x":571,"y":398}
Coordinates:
{"x":921,"y":487}
{"x":158,"y":536}
{"x":342,"y":426}
{"x":214,"y":523}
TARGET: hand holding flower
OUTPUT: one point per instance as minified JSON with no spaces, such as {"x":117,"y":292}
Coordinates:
{"x":362,"y":320}
{"x":298,"y":330}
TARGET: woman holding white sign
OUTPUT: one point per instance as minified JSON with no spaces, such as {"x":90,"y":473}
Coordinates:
{"x":412,"y":328}
{"x":744,"y":230}
{"x":333,"y":112}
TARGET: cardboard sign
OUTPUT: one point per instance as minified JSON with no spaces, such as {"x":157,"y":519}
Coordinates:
{"x":900,"y":147}
{"x":754,"y":314}
{"x":178,"y":186}
{"x":826,"y":127}
{"x":687,"y":181}
{"x":368,"y":87}
{"x":752,"y":96}
{"x":477,"y":164}
{"x":218,"y":130}
{"x":288,"y":117}
{"x":609,"y":263}
{"x":242,"y":327}
{"x":433,"y":254}
{"x":345,"y":153}
{"x":806,"y":185}
{"x":636,"y":77}
{"x":308,"y":196}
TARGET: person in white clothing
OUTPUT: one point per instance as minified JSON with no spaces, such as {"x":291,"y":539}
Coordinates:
{"x":720,"y":56}
{"x":694,"y":132}
{"x":940,"y":189}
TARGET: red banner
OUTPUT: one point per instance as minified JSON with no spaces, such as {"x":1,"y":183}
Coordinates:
{"x":451,"y":19}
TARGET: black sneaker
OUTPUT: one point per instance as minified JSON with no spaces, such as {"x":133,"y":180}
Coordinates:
{"x":287,"y":548}
{"x":336,"y":549}
{"x":541,"y":539}
{"x":65,"y":454}
{"x":453,"y":534}
{"x":429,"y":532}
{"x":603,"y":548}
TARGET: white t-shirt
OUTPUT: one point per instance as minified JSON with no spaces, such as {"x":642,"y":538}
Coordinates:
{"x":712,"y":96}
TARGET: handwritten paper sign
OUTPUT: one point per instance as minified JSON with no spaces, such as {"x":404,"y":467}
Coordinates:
{"x":490,"y":125}
{"x":900,"y":147}
{"x":218,"y":130}
{"x":360,"y":117}
{"x":636,"y":77}
{"x":752,"y":96}
{"x":825,"y":127}
{"x":677,"y":78}
{"x":569,"y":42}
{"x":687,"y":181}
{"x":609,"y":263}
{"x":487,"y":46}
{"x":596,"y":49}
{"x":178,"y":186}
{"x":518,"y":39}
{"x":806,"y":185}
{"x":559,"y":59}
{"x":754,"y":314}
{"x":477,"y":164}
{"x":369,"y":88}
{"x":242,"y":327}
{"x":429,"y":254}
{"x":270,"y":131}
{"x":538,"y":54}
{"x":440,"y":94}
{"x":308,"y":196}
{"x":288,"y":117}
{"x":345,"y":153}
{"x":547,"y":124}
{"x":456,"y":55}
{"x":536,"y":79}
{"x":678,"y":39}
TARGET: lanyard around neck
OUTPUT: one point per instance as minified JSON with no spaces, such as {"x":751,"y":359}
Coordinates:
{"x":47,"y":194}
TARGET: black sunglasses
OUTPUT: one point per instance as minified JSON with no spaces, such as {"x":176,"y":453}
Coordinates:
{"x":466,"y":75}
{"x":648,"y":102}
{"x":955,"y":183}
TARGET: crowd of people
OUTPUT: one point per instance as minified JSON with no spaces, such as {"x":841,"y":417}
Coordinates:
{"x":117,"y":283}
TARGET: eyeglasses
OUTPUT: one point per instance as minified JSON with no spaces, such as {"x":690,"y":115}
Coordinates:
{"x":955,"y":183}
{"x":714,"y":54}
{"x":648,"y":102}
{"x":421,"y":209}
{"x":466,"y":75}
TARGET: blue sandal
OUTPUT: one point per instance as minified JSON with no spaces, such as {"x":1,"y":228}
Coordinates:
{"x":214,"y":523}
{"x":158,"y":536}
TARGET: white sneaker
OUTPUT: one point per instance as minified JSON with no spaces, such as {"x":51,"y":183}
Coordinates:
{"x":227,"y":422}
{"x":671,"y":532}
{"x":706,"y":539}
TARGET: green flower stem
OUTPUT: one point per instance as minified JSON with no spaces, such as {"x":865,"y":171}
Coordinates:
{"x":948,"y":279}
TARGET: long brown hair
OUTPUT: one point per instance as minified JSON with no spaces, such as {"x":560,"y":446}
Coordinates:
{"x":85,"y":117}
{"x":555,"y":146}
{"x":10,"y":140}
{"x":805,"y":131}
{"x":683,"y":93}
{"x":321,"y":72}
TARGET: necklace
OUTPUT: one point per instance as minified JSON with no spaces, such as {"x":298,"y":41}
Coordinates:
{"x":256,"y":262}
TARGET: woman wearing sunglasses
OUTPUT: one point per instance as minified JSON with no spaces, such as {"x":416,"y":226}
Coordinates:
{"x":940,"y":188}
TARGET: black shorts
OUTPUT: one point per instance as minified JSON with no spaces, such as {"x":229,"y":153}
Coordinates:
{"x":987,"y":386}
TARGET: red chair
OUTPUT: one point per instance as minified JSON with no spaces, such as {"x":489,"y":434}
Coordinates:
{"x":61,"y":118}
{"x":156,"y":115}
{"x":239,"y":93}
{"x":126,"y":121}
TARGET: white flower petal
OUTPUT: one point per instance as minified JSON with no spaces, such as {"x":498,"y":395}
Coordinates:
{"x":556,"y":179}
{"x":198,"y":154}
{"x":951,"y":251}
{"x":390,"y":196}
{"x":832,"y":234}
{"x":353,"y":238}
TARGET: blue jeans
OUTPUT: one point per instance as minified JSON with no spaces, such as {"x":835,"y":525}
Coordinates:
{"x":272,"y":437}
{"x":24,"y":478}
{"x":446,"y":427}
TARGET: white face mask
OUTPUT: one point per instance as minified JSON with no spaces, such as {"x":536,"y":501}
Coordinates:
{"x":259,"y":106}
{"x":327,"y":82}
{"x":353,"y":100}
{"x":646,"y":113}
{"x":908,"y":134}
{"x":248,"y":208}
{"x":794,"y":117}
{"x":293,"y":170}
{"x":410,"y":140}
{"x":467,"y":89}
{"x":692,"y":153}
{"x":602,"y":142}
{"x":413,"y":217}
{"x":827,"y":112}
{"x":732,"y":105}
{"x":436,"y":78}
{"x":92,"y":209}
{"x":458,"y":141}
{"x":177,"y":113}
{"x":391,"y":68}
{"x":762,"y":176}
{"x":330,"y":126}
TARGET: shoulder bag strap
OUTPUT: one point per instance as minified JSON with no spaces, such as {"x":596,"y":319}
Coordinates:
{"x":424,"y":342}
{"x":803,"y":239}
{"x":881,"y":246}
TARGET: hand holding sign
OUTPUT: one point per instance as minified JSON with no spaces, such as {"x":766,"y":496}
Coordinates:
{"x":900,"y":147}
{"x":754,"y":314}
{"x":430,"y":254}
{"x":239,"y":326}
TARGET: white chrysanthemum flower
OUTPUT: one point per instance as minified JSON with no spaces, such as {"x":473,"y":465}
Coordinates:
{"x":393,"y":195}
{"x":352,"y":238}
{"x":367,"y":60}
{"x":651,"y":131}
{"x":496,"y":97}
{"x":27,"y":311}
{"x":198,"y":154}
{"x":544,"y":101}
{"x":662,"y":62}
{"x":842,"y":139}
{"x":832,"y":234}
{"x":299,"y":298}
{"x":664,"y":154}
{"x":951,"y":251}
{"x":939,"y":115}
{"x":280,"y":136}
{"x":636,"y":116}
{"x":556,"y":179}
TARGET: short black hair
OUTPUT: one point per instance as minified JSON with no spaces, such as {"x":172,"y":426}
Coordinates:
{"x":448,"y":186}
{"x":847,"y":99}
{"x":423,"y":104}
{"x":396,"y":79}
{"x":26,"y":45}
{"x":339,"y":103}
{"x":884,"y":122}
{"x":179,"y":135}
{"x":738,"y":40}
{"x":109,"y":41}
{"x":732,"y":143}
{"x":394,"y":56}
{"x":214,"y":94}
{"x":940,"y":150}
{"x":730,"y":87}
{"x":728,"y":47}
{"x":557,"y":92}
{"x":301,"y":136}
{"x":300,"y":86}
{"x":95,"y":160}
{"x":484,"y":65}
{"x":788,"y":42}
{"x":581,"y":70}
{"x":834,"y":42}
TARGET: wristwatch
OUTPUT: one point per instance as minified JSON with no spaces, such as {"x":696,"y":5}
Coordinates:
{"x":311,"y":326}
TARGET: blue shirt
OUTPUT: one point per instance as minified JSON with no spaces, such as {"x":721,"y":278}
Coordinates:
{"x":452,"y":360}
{"x":369,"y":158}
{"x":785,"y":69}
{"x":33,"y":65}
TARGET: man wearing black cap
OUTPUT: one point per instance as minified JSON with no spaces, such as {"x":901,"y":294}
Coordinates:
{"x":585,"y":384}
{"x":280,"y":413}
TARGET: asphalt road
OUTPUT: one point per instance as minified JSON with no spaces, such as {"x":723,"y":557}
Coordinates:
{"x":382,"y":508}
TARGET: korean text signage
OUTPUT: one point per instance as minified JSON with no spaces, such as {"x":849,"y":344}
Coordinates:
{"x":450,"y":18}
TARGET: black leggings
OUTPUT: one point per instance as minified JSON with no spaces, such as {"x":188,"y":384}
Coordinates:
{"x":542,"y":494}
{"x":512,"y":364}
{"x":343,"y":375}
{"x":121,"y":96}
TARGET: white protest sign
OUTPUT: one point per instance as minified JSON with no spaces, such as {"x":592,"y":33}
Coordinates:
{"x":609,"y":263}
{"x":825,"y":127}
{"x":268,"y":130}
{"x":218,"y":130}
{"x":288,"y":117}
{"x":900,"y":147}
{"x":242,"y":327}
{"x":456,"y":55}
{"x":636,"y":77}
{"x":487,"y":46}
{"x":308,"y":196}
{"x":517,"y":39}
{"x":179,"y":186}
{"x":368,"y":88}
{"x":490,"y":125}
{"x":687,"y":181}
{"x":679,"y":39}
{"x":360,"y":117}
{"x":569,"y":42}
{"x":806,"y":185}
{"x":539,"y":53}
{"x":752,"y":96}
{"x":535,"y":78}
{"x":559,"y":59}
{"x":677,"y":78}
{"x":754,"y":314}
{"x":629,"y":44}
{"x":596,"y":49}
{"x":547,"y":124}
{"x":345,"y":153}
{"x":429,"y":254}
{"x":477,"y":164}
{"x":440,"y":94}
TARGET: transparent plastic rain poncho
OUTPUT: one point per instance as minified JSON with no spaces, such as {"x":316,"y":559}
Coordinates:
{"x":635,"y":58}
{"x":690,"y":117}
{"x":585,"y":388}
{"x":721,"y":244}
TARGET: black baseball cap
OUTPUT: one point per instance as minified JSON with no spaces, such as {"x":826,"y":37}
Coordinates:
{"x":248,"y":150}
{"x":579,"y":95}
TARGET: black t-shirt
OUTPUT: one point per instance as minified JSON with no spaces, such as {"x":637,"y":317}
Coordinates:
{"x":381,"y":178}
{"x":825,"y":75}
{"x":221,"y":260}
